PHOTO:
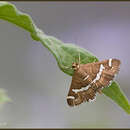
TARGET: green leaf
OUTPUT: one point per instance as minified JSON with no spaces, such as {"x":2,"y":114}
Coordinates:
{"x":64,"y":53}
{"x":114,"y":92}
{"x":3,"y":96}
{"x":10,"y":13}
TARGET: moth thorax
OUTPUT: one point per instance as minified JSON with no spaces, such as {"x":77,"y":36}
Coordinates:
{"x":75,"y":66}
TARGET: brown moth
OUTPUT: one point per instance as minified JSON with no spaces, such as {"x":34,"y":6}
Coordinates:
{"x":88,"y":79}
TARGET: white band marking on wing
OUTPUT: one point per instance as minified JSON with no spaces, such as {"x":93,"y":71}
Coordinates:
{"x":86,"y":77}
{"x":70,"y":97}
{"x":97,"y":78}
{"x":81,"y":89}
{"x":99,"y":73}
{"x":110,"y":62}
{"x":92,"y":100}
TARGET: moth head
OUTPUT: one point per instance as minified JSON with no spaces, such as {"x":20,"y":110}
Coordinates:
{"x":75,"y":66}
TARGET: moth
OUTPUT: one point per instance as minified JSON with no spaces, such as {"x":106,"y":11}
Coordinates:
{"x":88,"y":79}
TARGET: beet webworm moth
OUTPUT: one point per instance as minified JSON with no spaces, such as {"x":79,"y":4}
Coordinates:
{"x":88,"y":79}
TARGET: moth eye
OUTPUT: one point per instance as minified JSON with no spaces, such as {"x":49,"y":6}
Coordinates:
{"x":73,"y":66}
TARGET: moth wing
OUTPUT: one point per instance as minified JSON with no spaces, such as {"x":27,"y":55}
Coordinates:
{"x":73,"y":96}
{"x":110,"y":69}
{"x":79,"y":85}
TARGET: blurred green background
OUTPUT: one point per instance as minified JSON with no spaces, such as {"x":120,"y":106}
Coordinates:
{"x":32,"y":79}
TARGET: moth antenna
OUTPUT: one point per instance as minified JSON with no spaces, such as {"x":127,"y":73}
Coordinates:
{"x":76,"y":60}
{"x":66,"y":67}
{"x":78,"y":56}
